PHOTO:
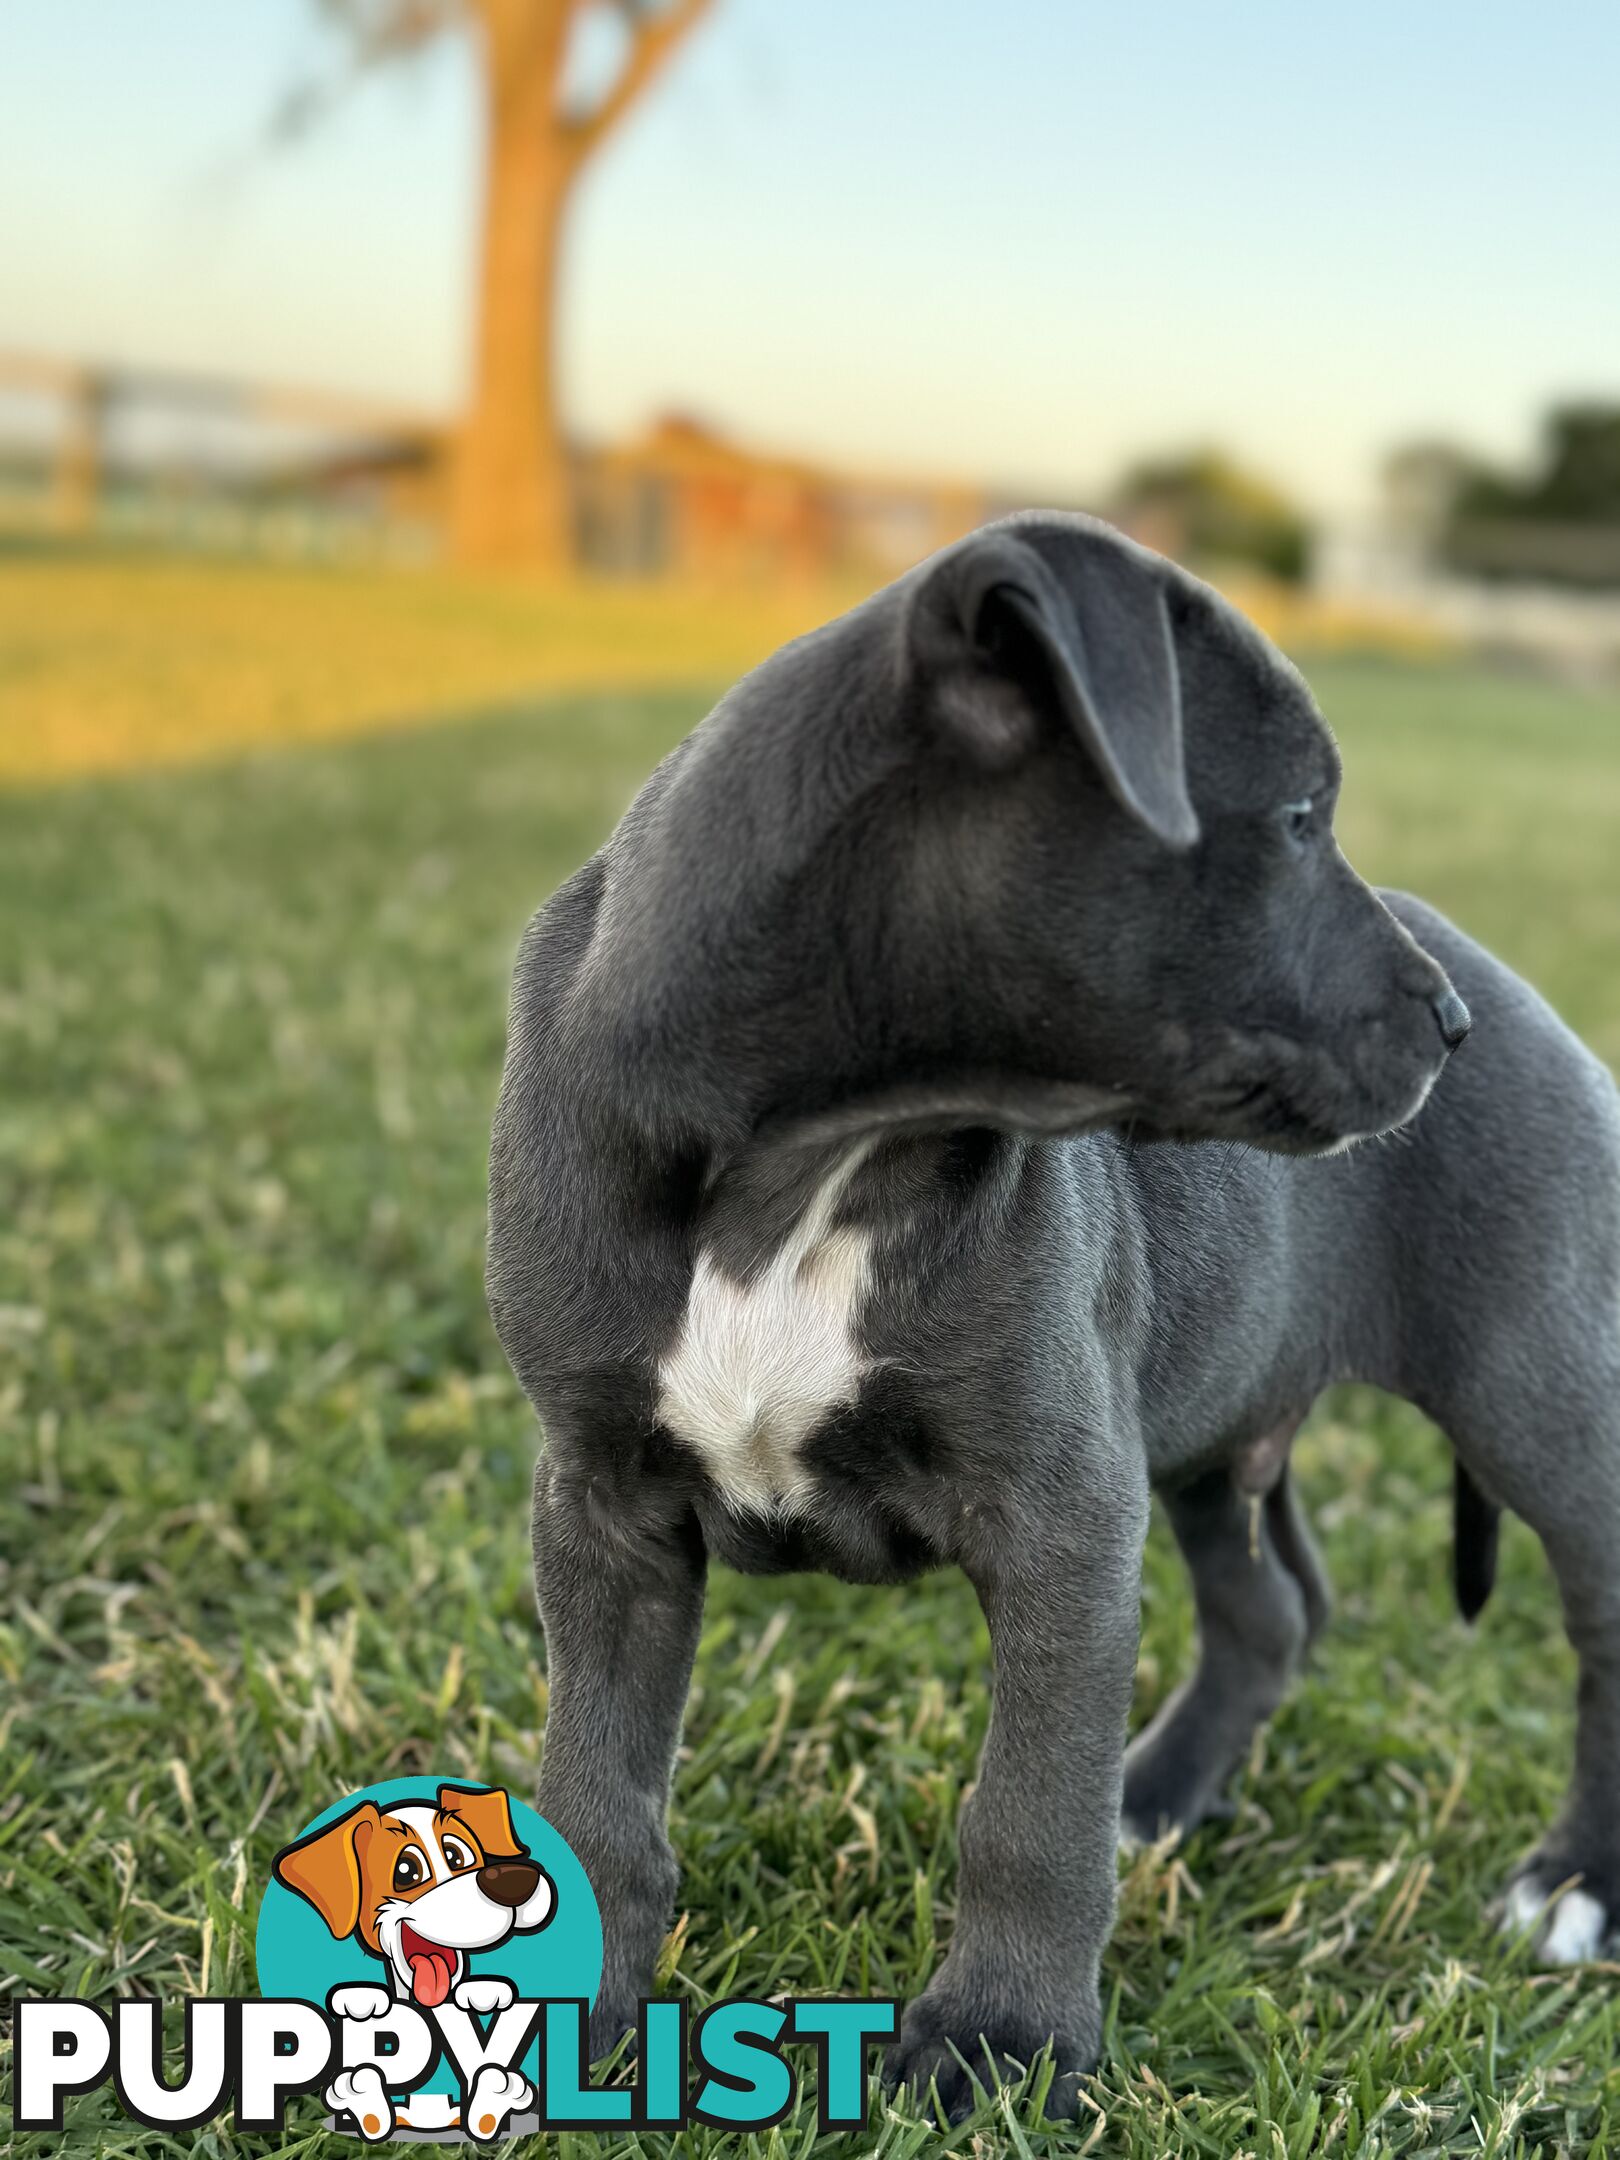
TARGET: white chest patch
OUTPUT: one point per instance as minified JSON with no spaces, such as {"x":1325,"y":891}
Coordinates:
{"x":758,"y":1365}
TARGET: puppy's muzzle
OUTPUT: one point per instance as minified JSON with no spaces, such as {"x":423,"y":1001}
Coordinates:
{"x":508,"y":1882}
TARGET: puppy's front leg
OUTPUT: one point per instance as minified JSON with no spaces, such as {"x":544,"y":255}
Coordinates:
{"x":1035,"y":1897}
{"x":620,"y":1580}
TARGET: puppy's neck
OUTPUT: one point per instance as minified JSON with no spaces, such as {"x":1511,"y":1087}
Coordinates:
{"x":776,"y":1192}
{"x":1019,"y":1106}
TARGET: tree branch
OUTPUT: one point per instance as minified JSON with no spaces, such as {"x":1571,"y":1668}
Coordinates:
{"x":376,"y":31}
{"x":653,"y":39}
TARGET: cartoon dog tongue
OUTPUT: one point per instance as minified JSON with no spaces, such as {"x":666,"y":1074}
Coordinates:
{"x":432,"y":1968}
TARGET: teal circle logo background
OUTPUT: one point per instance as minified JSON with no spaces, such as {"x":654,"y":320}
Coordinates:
{"x":297,"y":1955}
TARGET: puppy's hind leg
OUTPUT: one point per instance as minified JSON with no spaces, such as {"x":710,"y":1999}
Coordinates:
{"x":1261,"y":1599}
{"x":1296,"y":1549}
{"x":1562,"y":1476}
{"x":620,"y":1572}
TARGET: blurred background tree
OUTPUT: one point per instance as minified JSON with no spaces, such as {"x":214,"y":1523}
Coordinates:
{"x":1205,"y":508}
{"x":1578,"y":478}
{"x":510,"y":498}
{"x":1557,"y":523}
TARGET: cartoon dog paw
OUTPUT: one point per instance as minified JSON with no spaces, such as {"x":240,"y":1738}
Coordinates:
{"x":483,"y":1995}
{"x":496,"y":2094}
{"x":359,"y":2002}
{"x":428,"y":2112}
{"x":362,"y":2094}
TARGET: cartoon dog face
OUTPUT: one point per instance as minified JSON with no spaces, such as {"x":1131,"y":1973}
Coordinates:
{"x":421,"y":1887}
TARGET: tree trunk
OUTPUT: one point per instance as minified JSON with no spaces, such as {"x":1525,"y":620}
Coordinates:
{"x":510,"y":483}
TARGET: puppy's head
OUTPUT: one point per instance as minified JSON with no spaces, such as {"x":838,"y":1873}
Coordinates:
{"x":1117,"y":859}
{"x":422,"y":1886}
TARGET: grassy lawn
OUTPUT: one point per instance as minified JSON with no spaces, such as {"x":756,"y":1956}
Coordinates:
{"x":118,"y":658}
{"x":264,"y":1527}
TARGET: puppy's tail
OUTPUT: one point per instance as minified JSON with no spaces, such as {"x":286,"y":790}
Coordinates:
{"x":1476,"y":1522}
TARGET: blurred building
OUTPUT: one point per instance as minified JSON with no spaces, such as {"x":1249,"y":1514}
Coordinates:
{"x":685,"y":500}
{"x":96,"y":448}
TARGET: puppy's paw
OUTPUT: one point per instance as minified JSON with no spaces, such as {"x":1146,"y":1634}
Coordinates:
{"x":1565,"y":1922}
{"x":966,"y":2057}
{"x":614,"y":2018}
{"x":1140,"y":1831}
{"x":362,"y":2094}
{"x":483,"y":1993}
{"x":359,"y":2001}
{"x":1170,"y":1787}
{"x":496,"y":2094}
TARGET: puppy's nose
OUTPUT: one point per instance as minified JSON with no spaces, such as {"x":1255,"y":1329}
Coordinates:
{"x":1453,"y":1016}
{"x":508,"y":1882}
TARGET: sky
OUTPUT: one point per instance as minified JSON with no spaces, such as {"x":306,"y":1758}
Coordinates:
{"x":1020,"y":241}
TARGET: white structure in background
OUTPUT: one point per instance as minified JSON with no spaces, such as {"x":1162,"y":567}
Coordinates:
{"x":1389,"y":565}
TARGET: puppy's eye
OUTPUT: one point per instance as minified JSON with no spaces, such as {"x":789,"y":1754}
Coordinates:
{"x":409,"y":1869}
{"x":458,"y":1856}
{"x":1299,"y":818}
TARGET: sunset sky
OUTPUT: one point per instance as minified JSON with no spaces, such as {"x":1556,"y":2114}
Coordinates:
{"x":1021,"y":241}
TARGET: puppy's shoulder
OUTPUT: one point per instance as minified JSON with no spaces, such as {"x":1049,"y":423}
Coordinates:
{"x":559,"y":934}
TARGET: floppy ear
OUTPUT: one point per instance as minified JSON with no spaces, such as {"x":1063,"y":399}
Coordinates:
{"x":1003,"y":634}
{"x":488,"y":1815}
{"x":324,"y":1868}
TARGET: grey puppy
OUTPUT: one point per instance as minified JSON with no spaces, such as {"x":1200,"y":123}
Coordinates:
{"x":825,"y":1232}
